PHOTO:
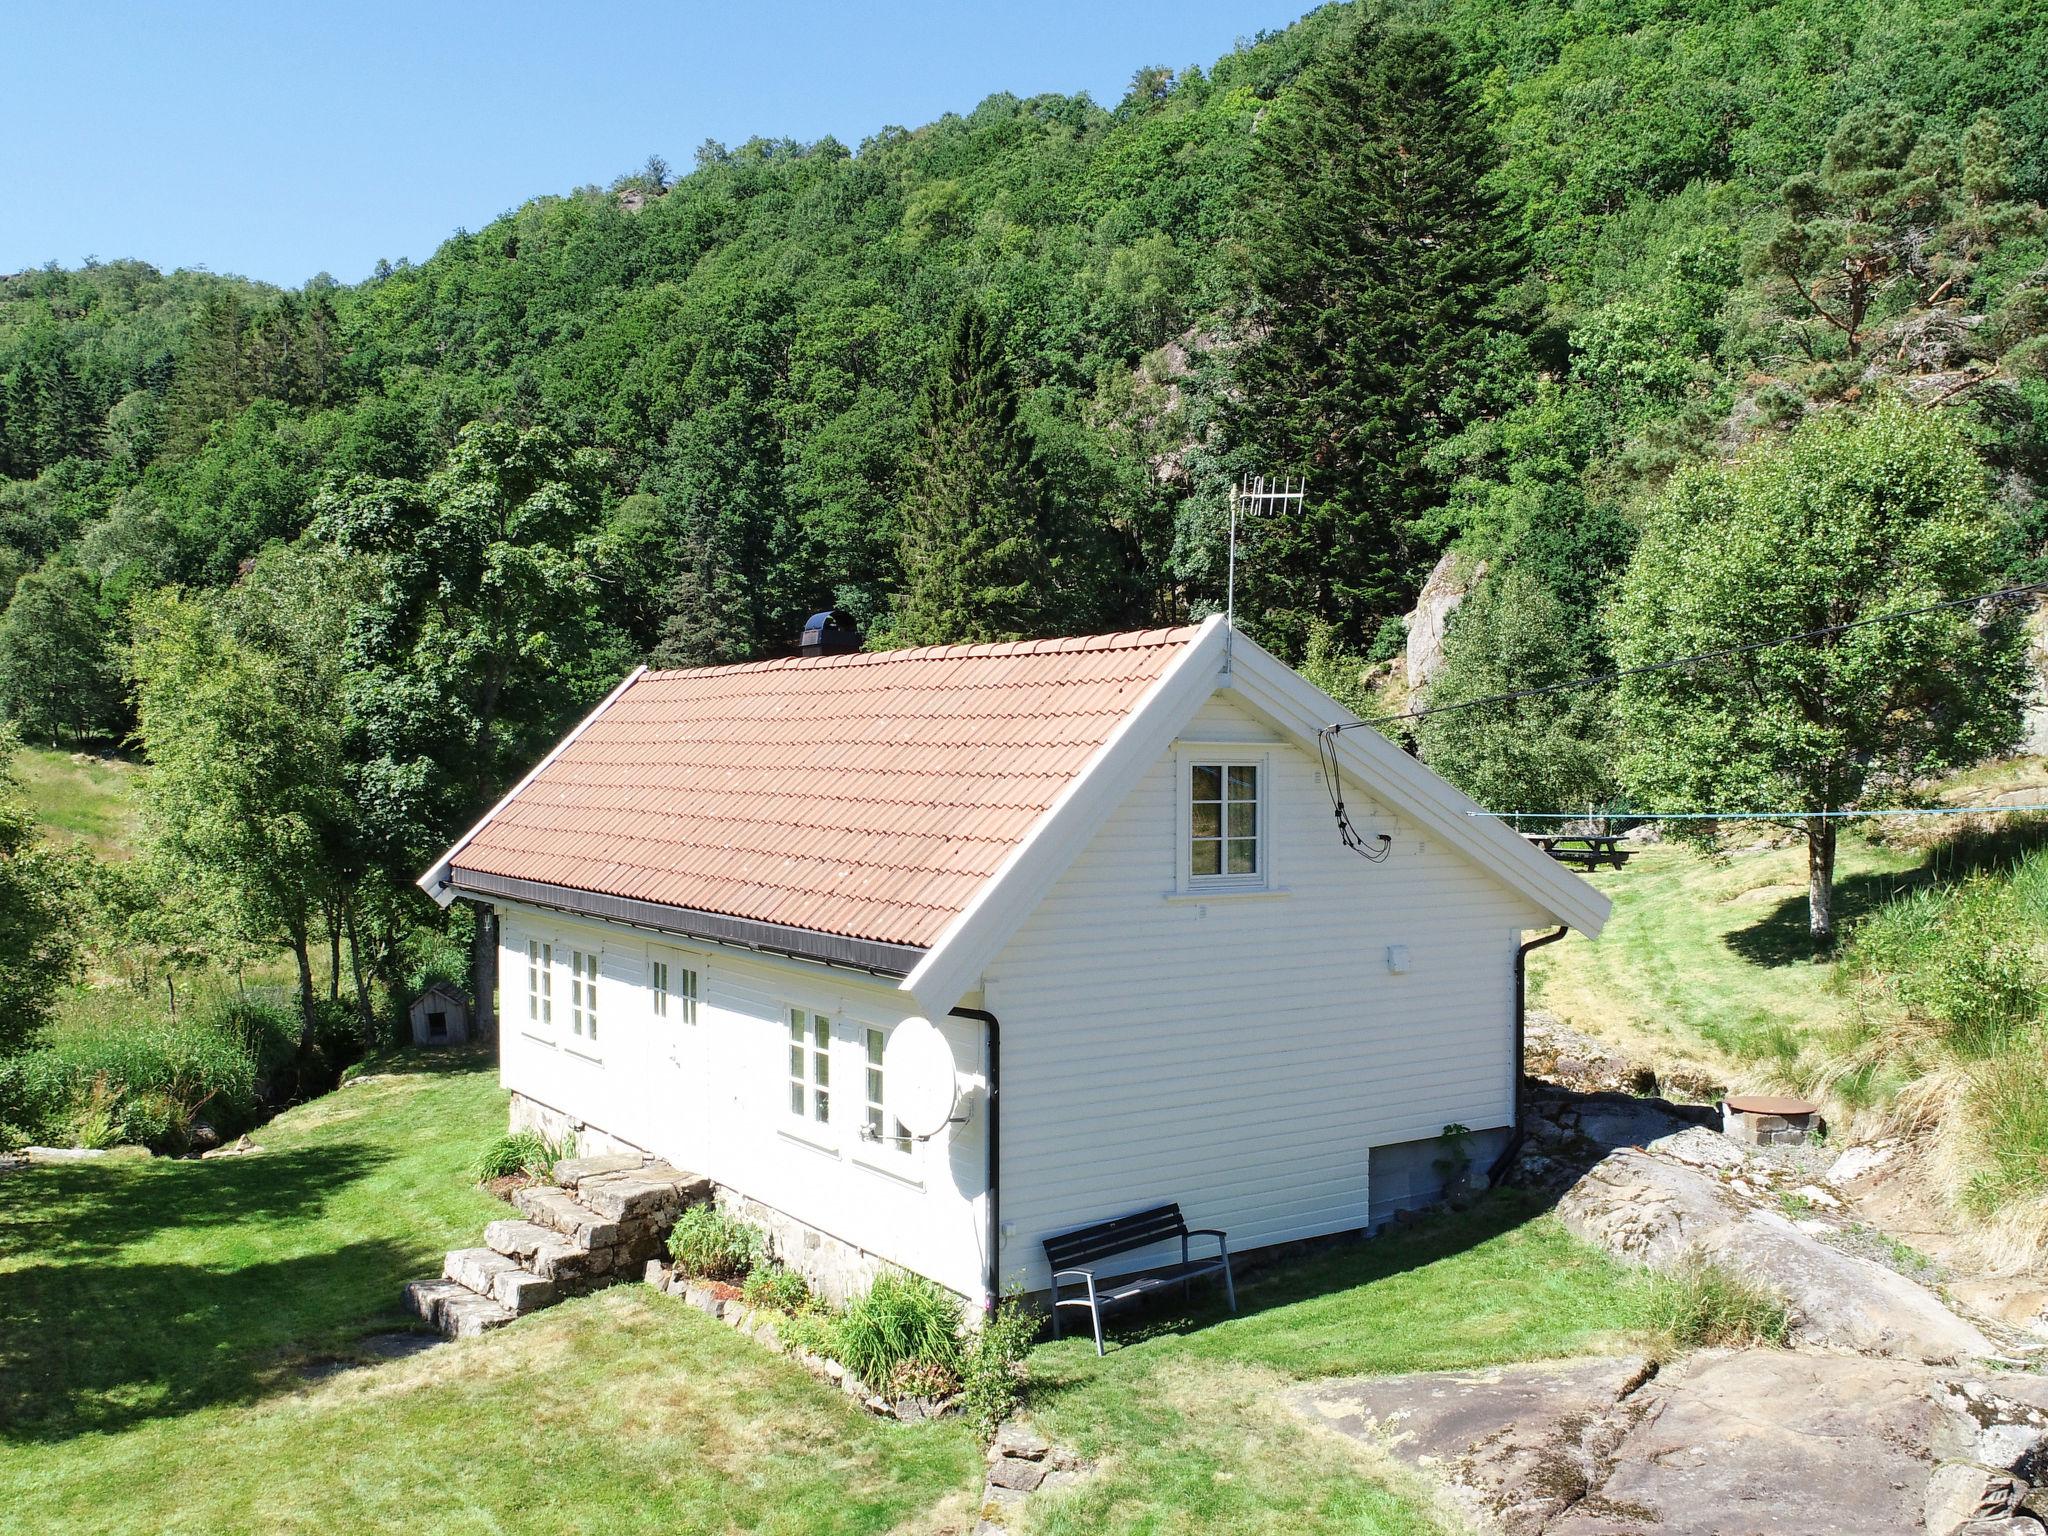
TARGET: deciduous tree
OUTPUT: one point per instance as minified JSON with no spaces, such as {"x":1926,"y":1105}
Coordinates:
{"x":1551,"y":752}
{"x":1848,"y":520}
{"x":244,"y":799}
{"x":38,"y":950}
{"x":58,"y":667}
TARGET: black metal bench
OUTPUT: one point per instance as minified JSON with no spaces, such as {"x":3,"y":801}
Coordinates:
{"x":1074,"y":1255}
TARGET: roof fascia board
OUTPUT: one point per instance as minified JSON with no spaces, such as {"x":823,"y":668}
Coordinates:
{"x":952,"y":966}
{"x":435,"y":881}
{"x":1391,"y":775}
{"x":808,"y":944}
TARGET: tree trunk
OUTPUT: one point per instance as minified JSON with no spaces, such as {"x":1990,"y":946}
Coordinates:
{"x":355,"y":962}
{"x":334,"y":955}
{"x":302,"y":951}
{"x":483,"y":971}
{"x":1820,"y":878}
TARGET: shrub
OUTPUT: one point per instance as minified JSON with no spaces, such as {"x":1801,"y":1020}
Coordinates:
{"x":33,"y":1098}
{"x":2007,"y":1108}
{"x":992,"y":1379}
{"x":1707,"y":1305}
{"x":713,"y":1244}
{"x":770,"y":1285}
{"x":813,"y":1330}
{"x":153,"y":1081}
{"x":526,"y":1152}
{"x":901,"y":1322}
{"x":95,"y":1118}
{"x":1963,"y":958}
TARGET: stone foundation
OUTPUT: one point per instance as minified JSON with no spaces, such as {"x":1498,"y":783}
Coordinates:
{"x":558,"y":1125}
{"x":834,"y":1268}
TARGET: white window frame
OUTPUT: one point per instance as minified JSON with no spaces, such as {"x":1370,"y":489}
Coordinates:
{"x":675,"y":985}
{"x":880,"y":1132}
{"x":539,"y":960}
{"x":584,"y":998}
{"x":1226,"y":755}
{"x":807,"y":1071}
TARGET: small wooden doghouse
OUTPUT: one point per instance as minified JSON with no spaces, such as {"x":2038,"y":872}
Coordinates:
{"x":440,"y":1016}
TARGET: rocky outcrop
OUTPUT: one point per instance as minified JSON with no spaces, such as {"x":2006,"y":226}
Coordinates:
{"x":1450,"y":581}
{"x":1675,"y":1203}
{"x":1724,"y":1443}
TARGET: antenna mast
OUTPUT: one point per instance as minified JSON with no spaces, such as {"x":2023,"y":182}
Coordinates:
{"x":1261,"y":497}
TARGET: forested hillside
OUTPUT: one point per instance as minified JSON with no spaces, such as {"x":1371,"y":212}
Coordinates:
{"x":1488,"y":274}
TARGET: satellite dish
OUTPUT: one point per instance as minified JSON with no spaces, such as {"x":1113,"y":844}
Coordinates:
{"x":919,"y":1088}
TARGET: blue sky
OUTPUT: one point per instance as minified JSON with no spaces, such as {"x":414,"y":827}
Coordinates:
{"x":283,"y":139}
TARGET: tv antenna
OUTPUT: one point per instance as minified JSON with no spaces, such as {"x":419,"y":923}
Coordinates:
{"x":1261,"y":497}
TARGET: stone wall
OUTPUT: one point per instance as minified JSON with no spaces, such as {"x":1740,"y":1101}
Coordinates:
{"x":557,"y":1125}
{"x":833,"y":1267}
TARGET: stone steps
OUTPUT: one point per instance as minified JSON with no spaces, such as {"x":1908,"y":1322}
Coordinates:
{"x":454,"y":1309}
{"x":601,"y":1221}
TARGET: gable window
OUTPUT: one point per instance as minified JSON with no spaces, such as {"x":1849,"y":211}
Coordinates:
{"x":583,"y":993}
{"x":1226,"y":830}
{"x":540,"y":982}
{"x":810,"y":1066}
{"x":878,"y":1118}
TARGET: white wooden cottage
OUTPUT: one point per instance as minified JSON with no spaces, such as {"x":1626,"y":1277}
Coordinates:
{"x":1107,"y":868}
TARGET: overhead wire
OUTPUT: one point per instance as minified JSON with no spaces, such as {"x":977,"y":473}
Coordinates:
{"x":1378,"y":848}
{"x":1903,"y":810}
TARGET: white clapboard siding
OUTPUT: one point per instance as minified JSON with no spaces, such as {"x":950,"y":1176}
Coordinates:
{"x":1243,"y":1055}
{"x":713,"y":1098}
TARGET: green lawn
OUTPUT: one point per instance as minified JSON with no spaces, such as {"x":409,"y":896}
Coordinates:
{"x":90,"y":801}
{"x":157,"y":1321}
{"x":1185,"y":1420}
{"x":1706,"y":960}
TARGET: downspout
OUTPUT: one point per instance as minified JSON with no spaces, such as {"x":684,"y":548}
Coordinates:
{"x":992,"y":1269}
{"x":1515,"y":1137}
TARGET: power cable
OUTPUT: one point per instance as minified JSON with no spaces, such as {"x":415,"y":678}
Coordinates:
{"x":1378,"y":848}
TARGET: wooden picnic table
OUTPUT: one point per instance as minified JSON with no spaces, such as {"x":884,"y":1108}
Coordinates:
{"x":1588,"y":850}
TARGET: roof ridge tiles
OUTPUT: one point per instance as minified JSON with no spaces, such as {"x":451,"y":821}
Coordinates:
{"x":1114,"y":640}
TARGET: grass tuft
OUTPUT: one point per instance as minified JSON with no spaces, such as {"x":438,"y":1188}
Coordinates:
{"x":1708,"y":1306}
{"x":519,"y":1152}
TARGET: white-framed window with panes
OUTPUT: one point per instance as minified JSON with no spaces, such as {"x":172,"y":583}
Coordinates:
{"x":810,"y":1066}
{"x":583,"y":971}
{"x":674,"y":982}
{"x":879,"y":1128}
{"x":540,"y":983}
{"x":1225,"y":819}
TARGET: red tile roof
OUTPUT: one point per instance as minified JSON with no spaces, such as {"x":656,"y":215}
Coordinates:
{"x":868,"y":795}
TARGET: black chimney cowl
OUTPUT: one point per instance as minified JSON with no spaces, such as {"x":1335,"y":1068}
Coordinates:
{"x":830,"y":633}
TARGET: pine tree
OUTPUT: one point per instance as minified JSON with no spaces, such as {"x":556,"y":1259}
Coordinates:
{"x":212,"y":379}
{"x":1378,"y":260}
{"x":974,"y":540}
{"x":65,"y":421}
{"x":17,"y":411}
